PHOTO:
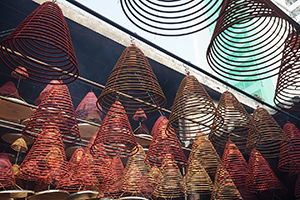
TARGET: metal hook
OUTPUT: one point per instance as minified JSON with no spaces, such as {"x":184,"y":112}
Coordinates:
{"x":132,"y":39}
{"x":186,"y":69}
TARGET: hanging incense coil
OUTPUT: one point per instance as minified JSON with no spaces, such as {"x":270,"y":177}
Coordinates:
{"x":45,"y":91}
{"x":260,"y":176}
{"x":133,"y":83}
{"x":6,"y":171}
{"x":238,"y":126}
{"x":162,"y":144}
{"x":287,"y":88}
{"x":273,"y":142}
{"x":42,"y":44}
{"x":46,"y":160}
{"x":75,"y":159}
{"x":224,"y":187}
{"x":19,"y":145}
{"x":136,"y":179}
{"x":157,"y":122}
{"x":139,"y":115}
{"x":56,"y":109}
{"x":9,"y":90}
{"x":235,"y":164}
{"x":290,"y":162}
{"x":170,"y":182}
{"x":204,"y":152}
{"x":115,"y":133}
{"x":19,"y":73}
{"x":241,"y":47}
{"x":171,"y":18}
{"x":197,"y":180}
{"x":193,"y":110}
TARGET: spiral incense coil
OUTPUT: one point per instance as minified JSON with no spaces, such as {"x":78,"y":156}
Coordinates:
{"x":6,"y":171}
{"x":197,"y":180}
{"x":115,"y":133}
{"x":162,"y":144}
{"x":192,"y":110}
{"x":171,"y":18}
{"x":235,"y":163}
{"x":157,"y":122}
{"x":42,"y":44}
{"x":170,"y":182}
{"x":260,"y":176}
{"x":19,"y":73}
{"x":287,"y":88}
{"x":56,"y":109}
{"x":224,"y":187}
{"x":19,"y":145}
{"x":46,"y":160}
{"x":238,"y":126}
{"x":9,"y":90}
{"x":136,"y":179}
{"x":139,"y":115}
{"x":133,"y":83}
{"x":45,"y":91}
{"x":75,"y":159}
{"x":248,"y":41}
{"x":204,"y":152}
{"x":273,"y":142}
{"x":290,"y":162}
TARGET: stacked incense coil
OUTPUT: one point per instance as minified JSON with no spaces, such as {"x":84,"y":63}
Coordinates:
{"x":237,"y":127}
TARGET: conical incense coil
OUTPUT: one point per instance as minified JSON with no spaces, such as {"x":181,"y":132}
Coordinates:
{"x":9,"y":90}
{"x":205,"y":153}
{"x":170,"y":182}
{"x":290,"y":162}
{"x":157,"y":122}
{"x":139,"y":115}
{"x":192,"y":110}
{"x":197,"y":180}
{"x":57,"y":110}
{"x":88,"y":110}
{"x":162,"y":144}
{"x":287,"y":87}
{"x":80,"y":177}
{"x":273,"y":142}
{"x":235,"y":163}
{"x":133,"y":83}
{"x":171,"y":18}
{"x":154,"y":174}
{"x":241,"y":47}
{"x":136,"y":179}
{"x":260,"y":176}
{"x":19,"y":73}
{"x":75,"y":159}
{"x":42,"y":44}
{"x":46,"y":160}
{"x":19,"y":145}
{"x":45,"y":91}
{"x":238,"y":126}
{"x":224,"y":187}
{"x":115,"y":133}
{"x":6,"y":171}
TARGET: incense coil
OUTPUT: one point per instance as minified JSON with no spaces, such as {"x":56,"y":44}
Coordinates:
{"x":56,"y":109}
{"x":238,"y":126}
{"x":240,"y":47}
{"x":75,"y":159}
{"x":235,"y":164}
{"x":42,"y":44}
{"x":115,"y":133}
{"x":260,"y":176}
{"x":9,"y":90}
{"x":170,"y":182}
{"x":46,"y":160}
{"x":162,"y":144}
{"x":19,"y":145}
{"x":45,"y":91}
{"x":171,"y":18}
{"x":193,"y":110}
{"x":19,"y":73}
{"x":290,"y":162}
{"x":287,"y":88}
{"x":139,"y":115}
{"x":273,"y":142}
{"x":224,"y":187}
{"x":133,"y":83}
{"x":6,"y":171}
{"x":157,"y":122}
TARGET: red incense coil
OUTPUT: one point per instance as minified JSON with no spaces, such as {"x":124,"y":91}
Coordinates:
{"x":260,"y":176}
{"x":142,"y":129}
{"x":45,"y":91}
{"x":224,"y":187}
{"x":42,"y":44}
{"x":235,"y":163}
{"x":19,"y":73}
{"x":162,"y":144}
{"x":133,"y":83}
{"x":115,"y":133}
{"x":9,"y":90}
{"x":75,"y":159}
{"x":238,"y":126}
{"x":46,"y":160}
{"x":57,"y":110}
{"x":192,"y":110}
{"x":139,"y":115}
{"x":170,"y":182}
{"x":290,"y":162}
{"x":273,"y":142}
{"x":6,"y":171}
{"x":155,"y":126}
